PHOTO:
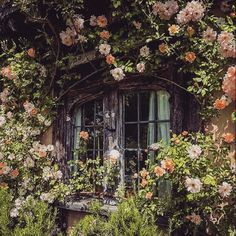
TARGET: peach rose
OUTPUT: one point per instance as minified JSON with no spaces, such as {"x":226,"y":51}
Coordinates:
{"x":190,"y":31}
{"x":231,"y":72}
{"x":110,"y":59}
{"x":220,"y":104}
{"x":173,"y":29}
{"x":144,"y":183}
{"x":143,"y":173}
{"x":84,"y":135}
{"x":14,"y":173}
{"x":228,"y":137}
{"x":102,"y":21}
{"x":42,"y":153}
{"x":190,"y":57}
{"x":149,"y":195}
{"x":163,"y":48}
{"x":2,"y":164}
{"x":168,"y":165}
{"x":159,"y":171}
{"x":185,"y":133}
{"x":7,"y":72}
{"x":31,"y":52}
{"x":105,"y":34}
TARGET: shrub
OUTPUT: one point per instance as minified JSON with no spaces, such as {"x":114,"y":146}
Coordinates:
{"x":28,"y":217}
{"x":201,"y":179}
{"x":126,"y":221}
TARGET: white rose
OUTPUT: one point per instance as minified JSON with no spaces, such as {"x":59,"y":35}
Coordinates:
{"x":117,"y":74}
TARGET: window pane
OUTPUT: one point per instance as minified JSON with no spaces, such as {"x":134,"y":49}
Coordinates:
{"x":142,"y":160}
{"x":131,"y":103}
{"x":90,"y":155}
{"x":99,"y":138}
{"x":90,"y":141}
{"x":88,"y":113}
{"x":147,"y":106}
{"x":147,"y":134}
{"x":131,"y":136}
{"x":77,"y":137}
{"x":131,"y":162}
{"x":99,"y":113}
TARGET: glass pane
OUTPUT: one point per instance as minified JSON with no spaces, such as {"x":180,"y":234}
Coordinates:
{"x":90,"y":155}
{"x":77,"y":137}
{"x":131,"y":102}
{"x":142,"y":160}
{"x":99,"y":112}
{"x":89,"y":113}
{"x":131,"y":136}
{"x":99,"y":138}
{"x":147,"y":134}
{"x":131,"y":162}
{"x":164,"y":131}
{"x":147,"y":103}
{"x":78,"y":116}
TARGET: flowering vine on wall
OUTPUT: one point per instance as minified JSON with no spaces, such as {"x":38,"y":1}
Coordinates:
{"x":135,"y":38}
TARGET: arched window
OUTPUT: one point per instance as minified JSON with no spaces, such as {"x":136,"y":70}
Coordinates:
{"x":127,"y":121}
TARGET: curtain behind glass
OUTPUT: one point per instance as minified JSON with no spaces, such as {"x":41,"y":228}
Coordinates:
{"x":78,"y":118}
{"x":163,"y":113}
{"x":163,"y":130}
{"x":151,"y":126}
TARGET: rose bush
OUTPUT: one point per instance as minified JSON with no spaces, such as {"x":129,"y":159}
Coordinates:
{"x":197,"y":170}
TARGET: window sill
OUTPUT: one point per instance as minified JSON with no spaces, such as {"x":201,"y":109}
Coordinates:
{"x":82,"y":205}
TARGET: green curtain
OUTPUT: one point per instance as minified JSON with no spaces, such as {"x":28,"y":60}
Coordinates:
{"x":163,"y":113}
{"x":77,"y":123}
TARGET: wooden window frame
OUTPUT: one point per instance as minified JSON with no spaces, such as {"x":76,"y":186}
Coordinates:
{"x":183,"y":112}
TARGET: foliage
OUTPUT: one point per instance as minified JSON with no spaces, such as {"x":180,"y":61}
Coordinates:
{"x":127,"y":221}
{"x":38,"y":70}
{"x":197,"y":165}
{"x":35,"y":217}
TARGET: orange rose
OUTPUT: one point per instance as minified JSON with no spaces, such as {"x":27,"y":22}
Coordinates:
{"x":105,"y":35}
{"x":159,"y":171}
{"x":190,"y":57}
{"x":163,"y":48}
{"x":143,"y":173}
{"x":31,"y":52}
{"x":149,"y":195}
{"x":144,"y":183}
{"x":42,"y":153}
{"x":220,"y":104}
{"x":228,"y":137}
{"x":168,"y":165}
{"x":33,"y":112}
{"x":102,"y":21}
{"x":185,"y":133}
{"x":84,"y":135}
{"x":14,"y":173}
{"x":190,"y":31}
{"x":110,"y":59}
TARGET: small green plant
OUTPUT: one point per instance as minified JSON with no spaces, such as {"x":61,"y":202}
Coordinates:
{"x":126,"y":221}
{"x":28,"y":217}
